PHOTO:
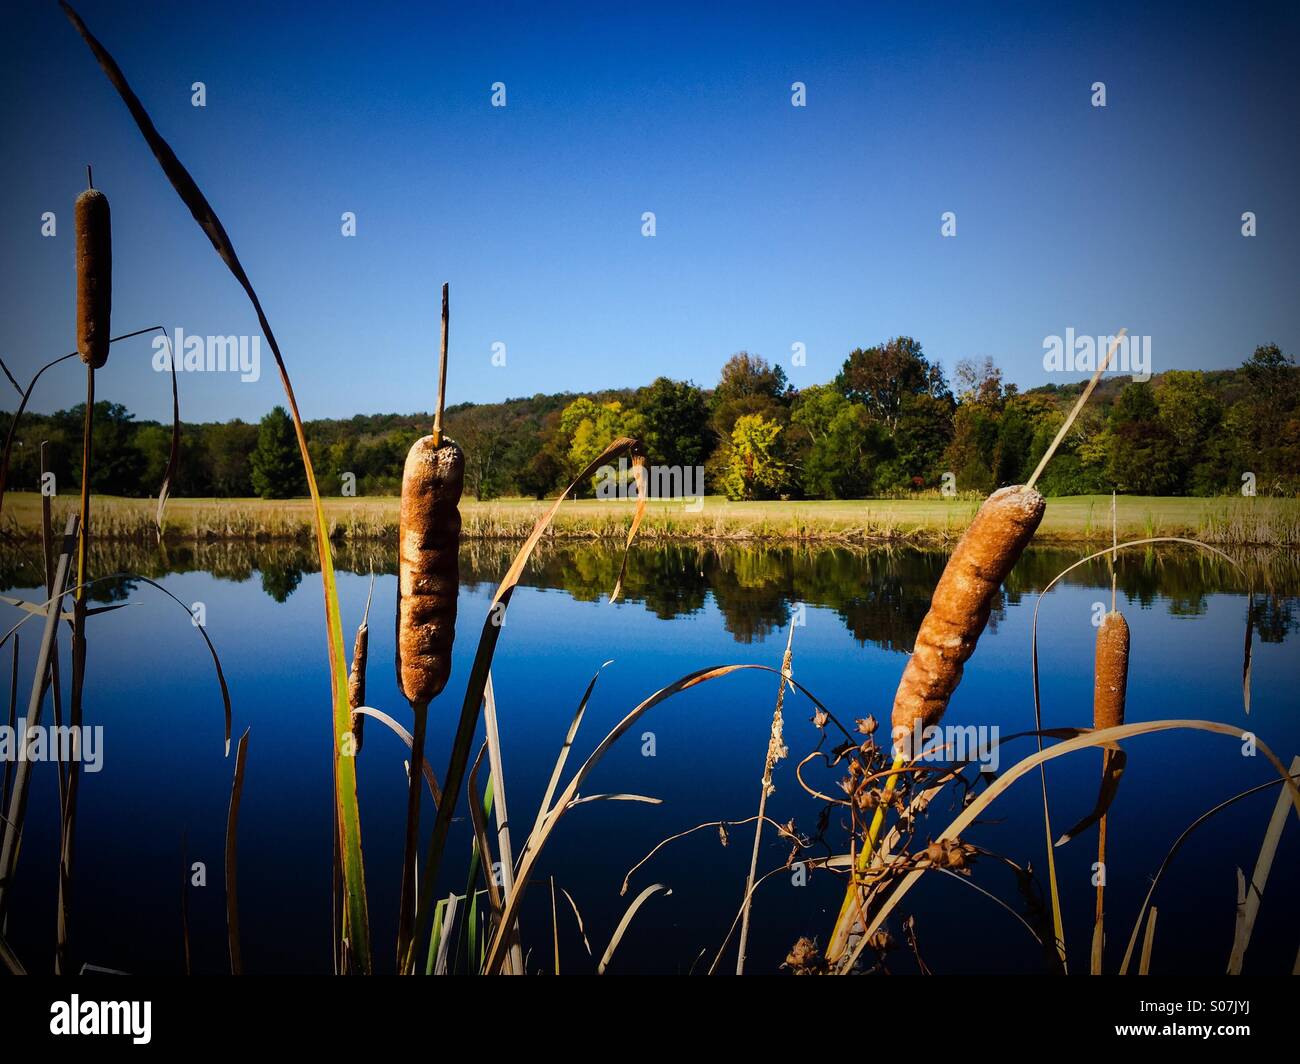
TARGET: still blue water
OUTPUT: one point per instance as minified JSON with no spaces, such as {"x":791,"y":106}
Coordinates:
{"x":164,"y":778}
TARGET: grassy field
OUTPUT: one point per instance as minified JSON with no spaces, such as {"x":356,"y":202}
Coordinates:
{"x":926,"y":519}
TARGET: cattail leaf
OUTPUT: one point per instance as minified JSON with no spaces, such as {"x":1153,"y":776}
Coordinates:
{"x":1003,"y":783}
{"x":1112,"y":770}
{"x":1245,"y":664}
{"x":548,"y":818}
{"x":429,"y":778}
{"x":626,"y":922}
{"x":348,"y":814}
{"x":232,"y":856}
{"x":1144,"y":964}
{"x":1248,"y":908}
{"x":642,"y":490}
{"x":26,"y":397}
{"x":577,"y":916}
{"x":174,"y":454}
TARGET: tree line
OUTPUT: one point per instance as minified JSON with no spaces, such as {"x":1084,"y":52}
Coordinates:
{"x":889,"y":423}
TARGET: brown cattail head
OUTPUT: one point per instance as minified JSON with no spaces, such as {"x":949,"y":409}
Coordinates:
{"x":1111,"y":678}
{"x":960,"y":607}
{"x":94,"y":276}
{"x":357,"y":685}
{"x":428,"y":578}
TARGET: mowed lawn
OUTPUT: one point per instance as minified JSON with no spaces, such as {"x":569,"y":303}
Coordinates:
{"x":1223,"y":519}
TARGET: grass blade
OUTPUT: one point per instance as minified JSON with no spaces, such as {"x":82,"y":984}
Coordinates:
{"x":1169,"y":857}
{"x":497,"y":775}
{"x":623,"y":924}
{"x":478,"y":816}
{"x":345,"y":779}
{"x":563,"y":757}
{"x":1144,"y":964}
{"x":577,"y":916}
{"x":1259,"y":877}
{"x":174,"y":454}
{"x":555,"y":928}
{"x":448,"y":924}
{"x":17,"y":810}
{"x":550,"y":818}
{"x":232,"y":857}
{"x":429,"y":778}
{"x":999,"y":786}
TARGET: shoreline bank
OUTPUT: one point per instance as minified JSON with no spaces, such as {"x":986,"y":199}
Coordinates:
{"x":926,"y":522}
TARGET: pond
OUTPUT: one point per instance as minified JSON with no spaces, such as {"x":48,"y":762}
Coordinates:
{"x":159,"y":802}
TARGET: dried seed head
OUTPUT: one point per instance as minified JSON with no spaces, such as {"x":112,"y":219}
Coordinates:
{"x":805,"y":958}
{"x":94,"y":276}
{"x":1111,"y":677}
{"x":428,"y":578}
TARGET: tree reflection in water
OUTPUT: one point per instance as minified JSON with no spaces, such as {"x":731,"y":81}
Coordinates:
{"x":879,"y":594}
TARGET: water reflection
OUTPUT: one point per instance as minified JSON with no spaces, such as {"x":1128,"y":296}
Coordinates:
{"x":880,"y":595}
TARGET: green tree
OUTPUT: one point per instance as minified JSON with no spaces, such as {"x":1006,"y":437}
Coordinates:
{"x":844,"y":444}
{"x":1142,"y":458}
{"x":676,"y":419}
{"x":969,"y":455}
{"x":1016,"y":428}
{"x":884,"y":377}
{"x":749,"y":385}
{"x":1189,"y":413}
{"x":755,"y":467}
{"x":117,"y":465}
{"x":276,"y":464}
{"x":1270,"y":420}
{"x":922,"y":432}
{"x":588,"y":427}
{"x":228,"y":448}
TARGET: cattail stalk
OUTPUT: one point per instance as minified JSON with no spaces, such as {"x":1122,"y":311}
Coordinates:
{"x":94,"y":261}
{"x":1110,"y":683}
{"x":428,"y":581}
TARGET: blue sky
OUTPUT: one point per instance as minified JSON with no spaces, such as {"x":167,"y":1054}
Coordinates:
{"x":776,"y":225}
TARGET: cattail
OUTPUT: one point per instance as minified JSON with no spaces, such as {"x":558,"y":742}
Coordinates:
{"x":428,"y":579}
{"x":428,"y":574}
{"x":960,"y":607}
{"x":959,"y":610}
{"x":357,"y":685}
{"x":1110,"y":682}
{"x":1111,"y":677}
{"x":94,"y":276}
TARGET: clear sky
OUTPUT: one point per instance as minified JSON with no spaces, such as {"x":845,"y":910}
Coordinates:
{"x":775,"y":224}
